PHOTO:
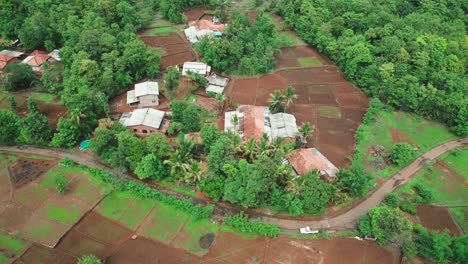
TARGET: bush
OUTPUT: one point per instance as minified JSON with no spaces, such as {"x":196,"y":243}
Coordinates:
{"x":407,"y":206}
{"x":409,"y":250}
{"x":67,"y":162}
{"x":425,"y":195}
{"x":241,"y":223}
{"x":61,"y":183}
{"x":392,"y":200}
{"x":89,"y":259}
{"x":402,"y":153}
{"x":365,"y":226}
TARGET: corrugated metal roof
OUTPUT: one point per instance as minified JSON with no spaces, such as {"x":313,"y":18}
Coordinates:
{"x":218,"y":80}
{"x":15,"y":54}
{"x":197,"y":67}
{"x":145,"y":116}
{"x":305,"y":160}
{"x":191,"y":34}
{"x":146,"y":88}
{"x":283,"y":125}
{"x":131,"y":98}
{"x":215,"y":89}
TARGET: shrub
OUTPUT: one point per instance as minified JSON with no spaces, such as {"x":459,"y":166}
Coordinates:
{"x":241,"y":223}
{"x":425,"y":195}
{"x":89,"y":259}
{"x":67,"y":162}
{"x":61,"y":183}
{"x":392,"y":200}
{"x":408,"y":249}
{"x":407,"y":206}
{"x":402,"y":153}
{"x":365,"y":226}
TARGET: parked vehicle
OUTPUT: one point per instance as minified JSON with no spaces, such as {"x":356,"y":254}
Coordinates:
{"x":307,"y":230}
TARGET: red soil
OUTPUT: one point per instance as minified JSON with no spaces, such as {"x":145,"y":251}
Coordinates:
{"x":437,"y":219}
{"x":177,"y":51}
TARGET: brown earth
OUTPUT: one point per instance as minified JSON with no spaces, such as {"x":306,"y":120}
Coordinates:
{"x":437,"y":219}
{"x":399,"y":136}
{"x":455,"y":178}
{"x":25,"y":170}
{"x":177,"y":50}
{"x":197,"y":13}
{"x":37,"y":254}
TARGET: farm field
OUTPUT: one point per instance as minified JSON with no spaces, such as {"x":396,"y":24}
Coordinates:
{"x":175,"y":49}
{"x":449,"y":187}
{"x":30,"y":205}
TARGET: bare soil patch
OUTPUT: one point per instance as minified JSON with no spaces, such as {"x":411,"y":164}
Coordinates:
{"x":37,"y":254}
{"x":399,"y":136}
{"x":177,"y":51}
{"x":437,"y":219}
{"x":197,"y":13}
{"x":25,"y":170}
{"x":451,"y":173}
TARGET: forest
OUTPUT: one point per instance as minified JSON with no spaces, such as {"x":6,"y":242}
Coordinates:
{"x":410,"y":54}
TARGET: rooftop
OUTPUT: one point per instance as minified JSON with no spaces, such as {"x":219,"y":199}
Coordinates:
{"x":305,"y":160}
{"x":146,"y":88}
{"x":216,"y":83}
{"x":4,"y":60}
{"x":15,"y":54}
{"x":143,"y":117}
{"x":195,"y":66}
{"x":283,"y":125}
{"x":37,"y":58}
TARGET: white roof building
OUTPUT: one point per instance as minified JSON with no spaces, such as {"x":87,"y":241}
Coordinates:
{"x":283,"y":125}
{"x":143,"y":117}
{"x":191,"y":34}
{"x":55,"y":54}
{"x":15,"y":54}
{"x":197,"y":67}
{"x":216,"y":84}
{"x":141,"y":90}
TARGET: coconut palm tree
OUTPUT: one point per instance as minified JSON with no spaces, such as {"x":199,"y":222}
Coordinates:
{"x":250,"y":149}
{"x":235,"y":141}
{"x":195,"y":173}
{"x":235,"y":121}
{"x":220,"y":98}
{"x":276,"y":102}
{"x":178,"y":166}
{"x":289,"y":96}
{"x":264,"y":146}
{"x":306,"y":130}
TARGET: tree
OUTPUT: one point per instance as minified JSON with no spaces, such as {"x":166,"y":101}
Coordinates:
{"x":133,"y":148}
{"x":151,"y":167}
{"x":32,"y":105}
{"x":402,"y":153}
{"x":8,"y":127}
{"x":220,"y":98}
{"x":314,"y":192}
{"x":61,"y":183}
{"x":89,"y":259}
{"x":18,"y":76}
{"x":355,"y":180}
{"x":289,"y":96}
{"x":209,"y":134}
{"x":219,"y":155}
{"x":67,"y":135}
{"x":158,"y":145}
{"x":195,"y":173}
{"x":172,"y":78}
{"x":177,"y":108}
{"x":191,"y":119}
{"x":276,"y":102}
{"x":389,"y":225}
{"x":392,"y":200}
{"x":35,"y":129}
{"x":12,"y":102}
{"x":306,"y":130}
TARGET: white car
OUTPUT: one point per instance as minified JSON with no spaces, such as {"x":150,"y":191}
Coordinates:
{"x":307,"y":230}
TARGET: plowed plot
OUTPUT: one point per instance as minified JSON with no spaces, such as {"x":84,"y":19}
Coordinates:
{"x":177,"y":51}
{"x":300,"y":57}
{"x":197,"y":13}
{"x":25,"y":170}
{"x":94,"y":235}
{"x":148,"y":251}
{"x":37,"y":254}
{"x":39,"y":213}
{"x":437,"y":218}
{"x":320,"y":75}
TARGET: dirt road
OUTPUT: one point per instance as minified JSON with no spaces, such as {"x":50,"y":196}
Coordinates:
{"x":346,"y":220}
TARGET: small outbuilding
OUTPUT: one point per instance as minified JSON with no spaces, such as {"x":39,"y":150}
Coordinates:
{"x":145,"y":121}
{"x":216,"y":84}
{"x":196,"y":67}
{"x":305,"y":160}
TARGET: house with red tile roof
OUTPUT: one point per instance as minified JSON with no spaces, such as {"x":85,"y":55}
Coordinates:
{"x":5,"y":60}
{"x":37,"y":59}
{"x":255,"y":121}
{"x":305,"y":160}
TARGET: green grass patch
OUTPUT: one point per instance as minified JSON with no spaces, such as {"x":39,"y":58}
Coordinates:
{"x":41,"y":231}
{"x":135,"y":214}
{"x":228,"y":229}
{"x":164,"y":223}
{"x":64,"y":215}
{"x":3,"y":258}
{"x":46,"y":98}
{"x":159,"y":23}
{"x":158,"y":51}
{"x":189,"y":237}
{"x":286,"y":40}
{"x":308,"y":62}
{"x":329,"y":111}
{"x":160,"y":31}
{"x":460,"y":214}
{"x":420,"y":133}
{"x":8,"y":242}
{"x":458,"y":161}
{"x":114,"y":205}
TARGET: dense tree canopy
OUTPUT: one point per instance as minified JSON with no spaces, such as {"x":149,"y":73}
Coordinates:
{"x":410,"y":54}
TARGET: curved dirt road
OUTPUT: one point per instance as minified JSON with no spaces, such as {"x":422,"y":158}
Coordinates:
{"x":344,"y":221}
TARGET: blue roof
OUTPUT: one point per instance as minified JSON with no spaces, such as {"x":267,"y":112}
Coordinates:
{"x":218,"y":34}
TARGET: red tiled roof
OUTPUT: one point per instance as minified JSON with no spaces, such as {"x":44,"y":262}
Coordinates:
{"x":303,"y":161}
{"x":253,"y":122}
{"x":38,"y":58}
{"x":4,"y":60}
{"x":207,"y":24}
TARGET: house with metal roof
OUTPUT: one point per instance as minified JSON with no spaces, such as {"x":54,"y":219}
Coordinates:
{"x":145,"y":121}
{"x":145,"y":94}
{"x":196,"y":67}
{"x":15,"y":54}
{"x":5,"y":60}
{"x":306,"y":160}
{"x":255,"y":121}
{"x":203,"y":28}
{"x":216,"y":84}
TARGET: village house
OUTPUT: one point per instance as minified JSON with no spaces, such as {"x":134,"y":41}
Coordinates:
{"x":145,"y":94}
{"x":196,"y":67}
{"x":37,"y":59}
{"x":255,"y":121}
{"x":145,"y":121}
{"x":305,"y":160}
{"x":202,"y":28}
{"x":8,"y":57}
{"x":216,"y":84}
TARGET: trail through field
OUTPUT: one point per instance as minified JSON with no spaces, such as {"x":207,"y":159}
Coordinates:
{"x":344,"y":221}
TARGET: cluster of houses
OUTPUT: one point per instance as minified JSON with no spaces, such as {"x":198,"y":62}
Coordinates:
{"x":201,"y":28}
{"x":36,"y":59}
